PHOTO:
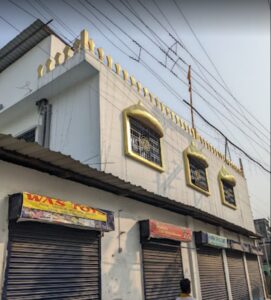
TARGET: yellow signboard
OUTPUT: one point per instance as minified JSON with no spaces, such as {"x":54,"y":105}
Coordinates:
{"x":54,"y":205}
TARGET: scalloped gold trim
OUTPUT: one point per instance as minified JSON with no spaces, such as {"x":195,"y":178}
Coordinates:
{"x":76,"y":45}
{"x":91,"y":45}
{"x":132,"y":81}
{"x":68,"y":52}
{"x":125,"y":75}
{"x":59,"y":58}
{"x":40,"y":70}
{"x":138,"y":86}
{"x":145,"y":92}
{"x":50,"y":65}
{"x":109,"y":60}
{"x":118,"y":68}
{"x":100,"y":54}
{"x":84,"y":38}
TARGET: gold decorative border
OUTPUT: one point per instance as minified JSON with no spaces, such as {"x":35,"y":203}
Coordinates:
{"x":140,"y":113}
{"x":224,"y":175}
{"x":86,"y":44}
{"x":198,"y":156}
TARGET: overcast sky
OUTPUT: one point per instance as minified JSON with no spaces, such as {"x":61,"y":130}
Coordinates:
{"x":235,"y":35}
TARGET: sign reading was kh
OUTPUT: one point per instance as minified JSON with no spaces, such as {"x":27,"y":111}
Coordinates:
{"x":32,"y":207}
{"x":54,"y":205}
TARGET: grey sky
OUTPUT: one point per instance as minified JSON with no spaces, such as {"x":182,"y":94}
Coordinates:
{"x":236,"y":37}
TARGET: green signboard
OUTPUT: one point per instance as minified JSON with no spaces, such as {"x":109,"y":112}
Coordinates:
{"x":216,"y":240}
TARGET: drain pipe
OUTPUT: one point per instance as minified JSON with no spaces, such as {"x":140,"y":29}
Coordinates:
{"x":45,"y":111}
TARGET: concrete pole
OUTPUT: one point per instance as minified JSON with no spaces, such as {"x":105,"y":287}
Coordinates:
{"x":193,"y":262}
{"x":226,"y":267}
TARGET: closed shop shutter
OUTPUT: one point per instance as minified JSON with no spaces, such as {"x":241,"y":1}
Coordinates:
{"x":163,"y":271}
{"x":254,"y":277}
{"x":212,"y":275}
{"x":237,"y":272}
{"x":52,"y":262}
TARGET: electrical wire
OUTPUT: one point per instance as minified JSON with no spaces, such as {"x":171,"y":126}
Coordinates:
{"x":17,"y":29}
{"x":161,"y":41}
{"x":105,"y":25}
{"x":58,"y":19}
{"x":203,"y":98}
{"x":231,"y":112}
{"x":226,"y":88}
{"x":97,"y":28}
{"x":193,"y":58}
{"x":35,"y":17}
{"x":237,"y":147}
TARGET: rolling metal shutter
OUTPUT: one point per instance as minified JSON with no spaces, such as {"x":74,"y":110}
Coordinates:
{"x":52,"y":262}
{"x":163,"y":271}
{"x":254,"y":277}
{"x":212,"y":275}
{"x":237,"y":272}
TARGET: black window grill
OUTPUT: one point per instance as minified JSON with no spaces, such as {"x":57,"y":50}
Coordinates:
{"x":228,"y":193}
{"x":198,"y":174}
{"x":28,"y":136}
{"x":145,"y":141}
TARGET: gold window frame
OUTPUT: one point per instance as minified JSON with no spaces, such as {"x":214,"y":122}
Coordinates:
{"x":141,"y":114}
{"x":197,"y":155}
{"x":225,"y":176}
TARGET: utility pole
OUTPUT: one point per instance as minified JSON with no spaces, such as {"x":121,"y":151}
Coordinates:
{"x":191,"y":100}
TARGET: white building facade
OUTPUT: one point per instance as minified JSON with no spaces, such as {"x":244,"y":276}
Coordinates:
{"x":194,"y":202}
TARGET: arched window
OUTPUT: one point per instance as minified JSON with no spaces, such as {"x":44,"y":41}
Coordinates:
{"x":227,"y":183}
{"x":196,"y":169}
{"x":142,"y":136}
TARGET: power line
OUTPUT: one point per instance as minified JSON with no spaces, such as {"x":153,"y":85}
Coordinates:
{"x":225,"y":87}
{"x":16,"y":29}
{"x":158,"y":77}
{"x":201,"y":45}
{"x":35,"y":17}
{"x":58,"y":19}
{"x":205,"y":100}
{"x":94,"y":25}
{"x":232,"y":113}
{"x":196,"y":61}
{"x":237,"y":147}
{"x":178,"y":97}
{"x":130,"y":37}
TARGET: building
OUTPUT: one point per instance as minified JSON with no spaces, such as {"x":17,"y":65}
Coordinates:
{"x":181,"y":209}
{"x":263,"y":228}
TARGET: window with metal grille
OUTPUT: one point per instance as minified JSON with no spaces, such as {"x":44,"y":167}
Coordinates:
{"x":28,"y":136}
{"x":145,"y":141}
{"x":228,"y":193}
{"x":198,"y":174}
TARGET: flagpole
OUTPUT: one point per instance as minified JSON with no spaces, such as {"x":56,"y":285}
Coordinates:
{"x":191,"y":99}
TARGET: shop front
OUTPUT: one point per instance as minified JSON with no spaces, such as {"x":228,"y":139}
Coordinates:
{"x":237,"y":272}
{"x":254,"y":272}
{"x":162,"y":258}
{"x":211,"y":266}
{"x":54,"y":248}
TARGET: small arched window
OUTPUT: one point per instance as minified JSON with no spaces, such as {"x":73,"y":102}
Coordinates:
{"x":227,"y":183}
{"x":196,"y":169}
{"x":142,"y":136}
